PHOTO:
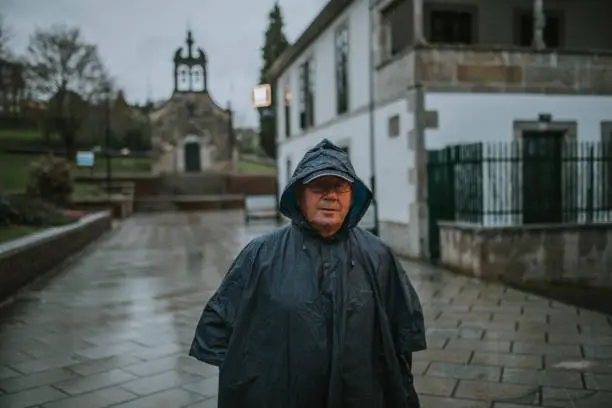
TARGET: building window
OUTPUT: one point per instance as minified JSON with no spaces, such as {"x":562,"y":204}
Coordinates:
{"x":394,"y":126}
{"x":287,"y":102}
{"x":451,"y":27}
{"x":307,"y":84}
{"x":396,"y":28}
{"x":342,"y":83}
{"x":524,"y":29}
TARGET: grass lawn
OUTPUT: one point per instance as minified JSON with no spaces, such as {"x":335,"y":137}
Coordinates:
{"x":257,"y":168}
{"x":20,"y":134}
{"x":14,"y":232}
{"x":14,"y":168}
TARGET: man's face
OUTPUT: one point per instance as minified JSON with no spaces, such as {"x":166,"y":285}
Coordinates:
{"x":325,"y":203}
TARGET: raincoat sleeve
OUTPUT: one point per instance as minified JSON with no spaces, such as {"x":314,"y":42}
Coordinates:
{"x":216,"y":324}
{"x":405,"y":313}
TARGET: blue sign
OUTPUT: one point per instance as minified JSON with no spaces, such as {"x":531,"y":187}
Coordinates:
{"x":85,"y":159}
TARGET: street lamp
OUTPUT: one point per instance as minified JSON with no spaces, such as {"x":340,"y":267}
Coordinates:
{"x":372,"y":131}
{"x":107,"y":91}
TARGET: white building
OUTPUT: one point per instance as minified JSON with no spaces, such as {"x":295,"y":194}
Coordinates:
{"x":444,"y":72}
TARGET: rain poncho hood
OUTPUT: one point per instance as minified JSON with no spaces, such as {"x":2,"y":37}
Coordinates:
{"x":302,"y":321}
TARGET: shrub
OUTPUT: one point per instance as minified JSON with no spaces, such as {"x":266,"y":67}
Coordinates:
{"x":22,"y":210}
{"x":51,"y":180}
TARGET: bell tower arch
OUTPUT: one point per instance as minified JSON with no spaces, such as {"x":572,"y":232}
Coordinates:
{"x":190,"y":69}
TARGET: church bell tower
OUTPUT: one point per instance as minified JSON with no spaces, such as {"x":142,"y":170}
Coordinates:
{"x":190,"y":70}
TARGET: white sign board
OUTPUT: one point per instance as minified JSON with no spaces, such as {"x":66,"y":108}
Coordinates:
{"x":262,"y":96}
{"x":85,"y":158}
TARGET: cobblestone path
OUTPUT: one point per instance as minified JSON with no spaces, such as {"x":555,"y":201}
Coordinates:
{"x":113,"y":329}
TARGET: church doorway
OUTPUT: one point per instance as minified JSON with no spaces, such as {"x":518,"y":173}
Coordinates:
{"x":192,"y":157}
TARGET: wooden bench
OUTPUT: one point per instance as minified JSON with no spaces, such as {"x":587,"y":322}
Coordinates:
{"x":260,"y":207}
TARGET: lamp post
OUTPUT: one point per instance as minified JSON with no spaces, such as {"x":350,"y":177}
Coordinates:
{"x":108,"y":141}
{"x":372,"y":130}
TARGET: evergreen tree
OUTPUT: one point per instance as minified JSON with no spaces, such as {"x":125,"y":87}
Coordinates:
{"x":274,"y":45}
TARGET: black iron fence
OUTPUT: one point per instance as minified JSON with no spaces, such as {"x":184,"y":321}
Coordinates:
{"x":531,"y":181}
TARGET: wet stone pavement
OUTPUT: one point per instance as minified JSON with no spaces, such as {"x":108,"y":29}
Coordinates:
{"x":113,"y":329}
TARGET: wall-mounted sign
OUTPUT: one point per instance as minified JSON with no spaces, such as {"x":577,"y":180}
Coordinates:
{"x":85,"y":158}
{"x":262,"y":96}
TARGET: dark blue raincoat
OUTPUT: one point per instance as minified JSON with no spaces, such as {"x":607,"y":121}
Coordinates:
{"x":302,"y":321}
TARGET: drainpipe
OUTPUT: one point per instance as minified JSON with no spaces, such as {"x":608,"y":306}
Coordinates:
{"x":372,"y":132}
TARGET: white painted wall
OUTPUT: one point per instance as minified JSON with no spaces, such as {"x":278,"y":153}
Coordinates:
{"x":470,"y":118}
{"x":323,"y":52}
{"x":393,"y":162}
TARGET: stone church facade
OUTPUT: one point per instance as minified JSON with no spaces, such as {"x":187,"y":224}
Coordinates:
{"x":190,"y":132}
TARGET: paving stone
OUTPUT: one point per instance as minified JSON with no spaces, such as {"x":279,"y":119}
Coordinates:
{"x":508,"y":360}
{"x":598,"y":381}
{"x":97,"y":399}
{"x":440,"y":402}
{"x":6,"y":372}
{"x":419,"y":367}
{"x":94,"y":382}
{"x":29,"y":398}
{"x":578,"y":364}
{"x":574,"y":398}
{"x":103,"y":364}
{"x":464,"y":371}
{"x":151,"y":353}
{"x":515,"y":336}
{"x":152,"y":367}
{"x":436,"y":342}
{"x":520,"y":347}
{"x":499,"y":346}
{"x":43,"y":364}
{"x":207,"y":403}
{"x":25,"y":382}
{"x":499,"y":392}
{"x":434,"y":386}
{"x":109,"y":350}
{"x":160,"y":382}
{"x":207,"y":388}
{"x":598,"y":352}
{"x":170,"y":398}
{"x":446,"y":356}
{"x":552,"y":378}
{"x":586,"y":339}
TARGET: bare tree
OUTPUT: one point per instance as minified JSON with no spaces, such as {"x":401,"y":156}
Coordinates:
{"x":6,"y":35}
{"x":68,"y":70}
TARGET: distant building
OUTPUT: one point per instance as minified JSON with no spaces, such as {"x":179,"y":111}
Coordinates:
{"x":443,"y":73}
{"x":191,"y":133}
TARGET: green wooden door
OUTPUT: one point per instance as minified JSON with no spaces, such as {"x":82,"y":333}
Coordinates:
{"x":440,"y":195}
{"x":192,"y":157}
{"x":542,"y":177}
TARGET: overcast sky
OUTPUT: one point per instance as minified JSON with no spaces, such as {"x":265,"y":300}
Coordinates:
{"x":137,"y":39}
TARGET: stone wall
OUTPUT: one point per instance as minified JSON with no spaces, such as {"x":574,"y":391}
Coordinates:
{"x":474,"y":69}
{"x":560,"y":254}
{"x":26,"y":259}
{"x":195,"y":184}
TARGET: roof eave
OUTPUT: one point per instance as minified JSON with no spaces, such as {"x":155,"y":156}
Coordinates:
{"x":327,"y":16}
